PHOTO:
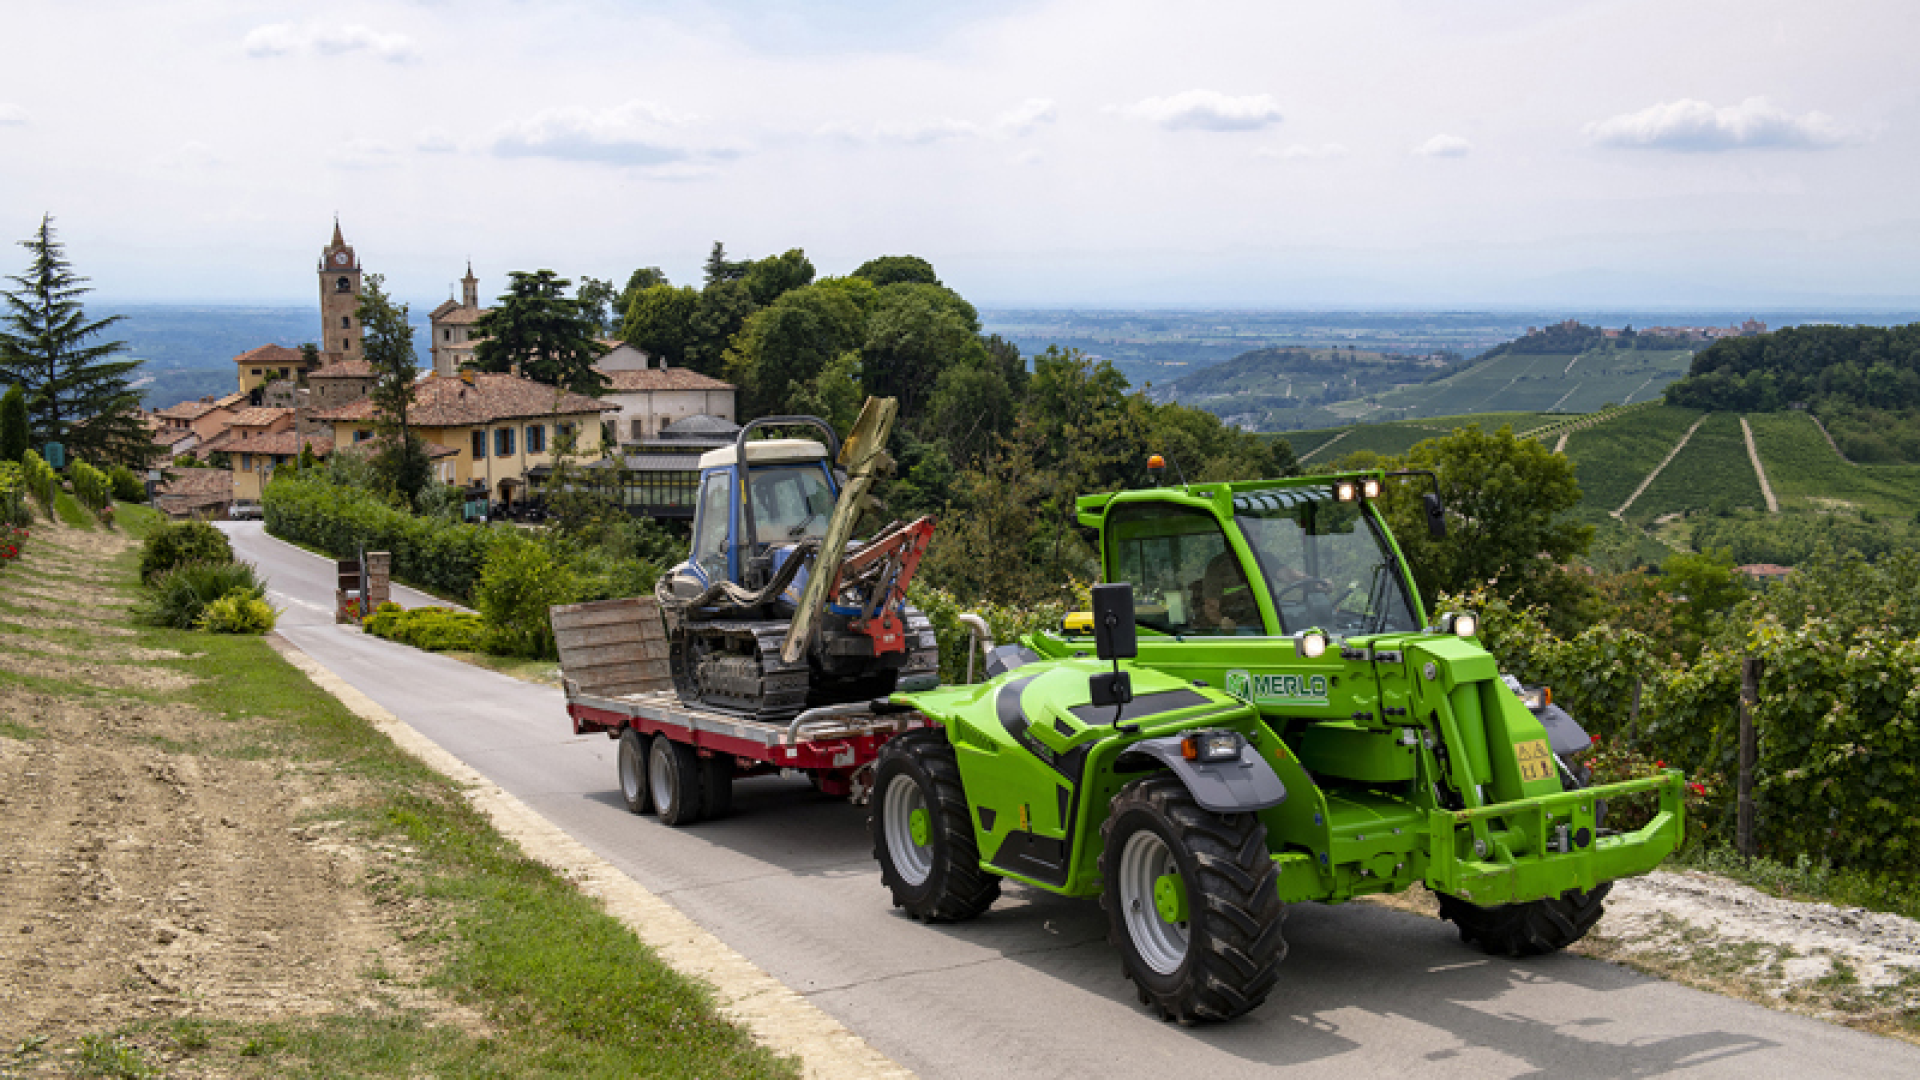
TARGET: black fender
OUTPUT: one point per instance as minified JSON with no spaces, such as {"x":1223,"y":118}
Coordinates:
{"x":1564,"y":735}
{"x":1224,"y":787}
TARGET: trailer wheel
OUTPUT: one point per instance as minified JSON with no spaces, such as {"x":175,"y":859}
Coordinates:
{"x":923,"y":831}
{"x":1192,"y":902}
{"x":716,"y":784}
{"x":633,"y":771}
{"x":673,"y":778}
{"x":1530,"y":929}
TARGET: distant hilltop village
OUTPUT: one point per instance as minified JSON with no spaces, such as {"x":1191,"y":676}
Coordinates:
{"x":1749,"y":328}
{"x":493,"y":433}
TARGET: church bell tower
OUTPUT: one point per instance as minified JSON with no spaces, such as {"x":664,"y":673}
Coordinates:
{"x":340,"y":300}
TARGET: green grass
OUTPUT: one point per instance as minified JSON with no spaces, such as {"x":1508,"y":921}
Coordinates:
{"x":1809,"y":880}
{"x":71,"y":512}
{"x":1540,"y":383}
{"x":1714,"y":470}
{"x":13,"y":729}
{"x":1807,"y":474}
{"x":1399,"y":436}
{"x":565,"y":989}
{"x":1610,"y":459}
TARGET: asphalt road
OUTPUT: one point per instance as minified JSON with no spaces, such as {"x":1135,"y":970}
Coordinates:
{"x":1032,"y":989}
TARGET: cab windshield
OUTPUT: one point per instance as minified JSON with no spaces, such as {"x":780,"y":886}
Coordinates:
{"x":1326,"y":563}
{"x":790,"y":503}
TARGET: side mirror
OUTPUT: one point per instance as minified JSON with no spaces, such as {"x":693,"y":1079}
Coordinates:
{"x":1113,"y":631}
{"x":1436,"y":515}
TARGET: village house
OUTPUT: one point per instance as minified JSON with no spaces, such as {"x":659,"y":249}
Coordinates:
{"x":203,"y":419}
{"x":650,"y":398}
{"x":496,"y":427}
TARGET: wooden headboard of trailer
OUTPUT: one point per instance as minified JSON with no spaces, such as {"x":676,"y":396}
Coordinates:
{"x":609,"y":648}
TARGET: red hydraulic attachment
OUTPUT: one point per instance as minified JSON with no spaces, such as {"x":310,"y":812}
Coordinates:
{"x":877,"y":576}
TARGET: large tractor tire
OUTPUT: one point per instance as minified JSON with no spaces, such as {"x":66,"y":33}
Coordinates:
{"x":923,"y":831}
{"x":1530,"y":929}
{"x":1192,"y":902}
{"x":633,"y":771}
{"x":675,"y":783}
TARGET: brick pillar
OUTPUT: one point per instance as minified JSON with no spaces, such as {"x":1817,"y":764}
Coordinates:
{"x":379,"y":565}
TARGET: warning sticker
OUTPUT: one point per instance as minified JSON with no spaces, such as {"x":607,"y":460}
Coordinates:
{"x":1536,"y":760}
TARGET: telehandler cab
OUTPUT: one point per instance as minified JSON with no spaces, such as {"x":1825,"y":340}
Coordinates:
{"x":1270,"y":716}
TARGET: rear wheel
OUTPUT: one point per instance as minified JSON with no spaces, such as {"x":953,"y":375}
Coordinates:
{"x":1534,"y":928}
{"x":923,"y":831}
{"x":1192,"y":902}
{"x":633,"y":771}
{"x":673,"y":779}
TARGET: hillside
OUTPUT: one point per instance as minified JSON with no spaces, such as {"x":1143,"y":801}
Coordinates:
{"x":1267,"y":389}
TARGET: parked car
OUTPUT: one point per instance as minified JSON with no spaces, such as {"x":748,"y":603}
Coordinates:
{"x":245,"y":510}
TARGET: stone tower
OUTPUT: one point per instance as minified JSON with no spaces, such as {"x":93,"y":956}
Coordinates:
{"x":340,"y":301}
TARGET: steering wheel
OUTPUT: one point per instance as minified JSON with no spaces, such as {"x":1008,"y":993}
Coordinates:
{"x":1303,"y":586}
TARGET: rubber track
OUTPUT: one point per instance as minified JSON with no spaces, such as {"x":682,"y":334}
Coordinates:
{"x":1237,"y":963}
{"x":967,"y":889}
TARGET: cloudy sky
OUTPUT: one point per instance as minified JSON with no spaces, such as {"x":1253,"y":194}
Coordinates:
{"x":1253,"y":153}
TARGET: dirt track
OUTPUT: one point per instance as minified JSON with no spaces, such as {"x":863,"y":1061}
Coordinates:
{"x":154,"y":865}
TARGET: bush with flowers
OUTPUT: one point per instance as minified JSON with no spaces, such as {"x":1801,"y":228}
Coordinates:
{"x":13,"y":541}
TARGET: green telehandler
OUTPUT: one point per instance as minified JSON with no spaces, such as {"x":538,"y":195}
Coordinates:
{"x":1259,"y":712}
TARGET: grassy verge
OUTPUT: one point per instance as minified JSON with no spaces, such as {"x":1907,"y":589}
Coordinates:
{"x":556,"y":986}
{"x":1808,"y":880}
{"x":71,"y":512}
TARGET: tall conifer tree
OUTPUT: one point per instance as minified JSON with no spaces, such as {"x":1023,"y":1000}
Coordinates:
{"x":13,"y":424}
{"x":402,"y":461}
{"x":78,"y":394}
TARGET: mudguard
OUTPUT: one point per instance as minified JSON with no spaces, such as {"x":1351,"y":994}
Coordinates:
{"x":1564,"y":735}
{"x":1224,"y":787}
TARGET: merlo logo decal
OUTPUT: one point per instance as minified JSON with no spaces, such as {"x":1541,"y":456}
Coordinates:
{"x":1276,"y":689}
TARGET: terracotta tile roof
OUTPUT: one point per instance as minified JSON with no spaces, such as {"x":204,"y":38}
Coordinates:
{"x":450,"y":402}
{"x":231,"y":401}
{"x":461,"y":316}
{"x":658,"y":379}
{"x":187,"y":410}
{"x":434,"y":450}
{"x":344,"y":369}
{"x":1763,"y":570}
{"x":182,"y":483}
{"x":284,"y":442}
{"x":271,"y":356}
{"x":257,"y":417}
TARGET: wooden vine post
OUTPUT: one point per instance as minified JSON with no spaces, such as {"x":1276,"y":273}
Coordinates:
{"x":1749,"y":755}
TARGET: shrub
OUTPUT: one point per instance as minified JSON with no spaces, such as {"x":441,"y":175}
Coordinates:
{"x":41,"y":479}
{"x":176,"y":544}
{"x":521,"y":581}
{"x":179,"y":597}
{"x":435,"y":629}
{"x":90,"y":486}
{"x":127,"y":486}
{"x":1009,"y":624}
{"x":13,"y":495}
{"x":436,"y":554}
{"x":237,"y":612}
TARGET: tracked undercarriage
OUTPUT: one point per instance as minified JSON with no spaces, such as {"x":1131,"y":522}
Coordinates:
{"x":735,"y":665}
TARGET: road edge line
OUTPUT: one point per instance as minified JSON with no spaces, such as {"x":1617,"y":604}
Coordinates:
{"x":779,"y":1017}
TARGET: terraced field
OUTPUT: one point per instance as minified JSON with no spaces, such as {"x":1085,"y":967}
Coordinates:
{"x":1807,"y":475}
{"x":1713,"y":470}
{"x":1611,"y":459}
{"x":1546,"y":382}
{"x":1398,"y":437}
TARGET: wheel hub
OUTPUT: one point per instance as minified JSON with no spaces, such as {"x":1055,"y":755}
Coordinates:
{"x":1170,"y":898}
{"x":919,"y":828}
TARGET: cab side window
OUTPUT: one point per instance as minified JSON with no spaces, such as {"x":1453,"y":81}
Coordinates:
{"x":710,"y":531}
{"x":1185,"y":578}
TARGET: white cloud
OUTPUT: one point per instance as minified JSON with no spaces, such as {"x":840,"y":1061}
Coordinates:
{"x":434,"y":141}
{"x":1298,"y":152}
{"x":1207,"y":110}
{"x":1689,"y":125}
{"x":12,"y":115}
{"x":1444,"y":146}
{"x":284,"y":39}
{"x":362,"y":154}
{"x":639,"y":133}
{"x":1020,"y":121}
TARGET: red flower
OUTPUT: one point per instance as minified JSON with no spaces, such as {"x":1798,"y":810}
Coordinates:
{"x":1596,"y":740}
{"x":1659,"y":764}
{"x":1697,"y":789}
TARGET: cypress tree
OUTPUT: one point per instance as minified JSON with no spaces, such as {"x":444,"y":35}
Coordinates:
{"x":13,"y":424}
{"x":77,"y":393}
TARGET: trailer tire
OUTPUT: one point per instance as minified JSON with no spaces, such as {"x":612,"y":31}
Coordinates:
{"x":1221,"y":961}
{"x":632,"y":762}
{"x":673,"y":779}
{"x":1534,"y":928}
{"x":716,"y":784}
{"x":931,"y":867}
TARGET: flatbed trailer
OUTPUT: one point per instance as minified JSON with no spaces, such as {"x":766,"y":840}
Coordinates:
{"x":680,"y":761}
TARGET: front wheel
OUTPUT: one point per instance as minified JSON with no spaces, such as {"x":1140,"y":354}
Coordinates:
{"x":1534,"y":928}
{"x":923,"y":831}
{"x":1192,"y":902}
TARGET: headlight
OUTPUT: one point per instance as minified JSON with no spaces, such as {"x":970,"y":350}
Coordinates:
{"x":1309,"y":643}
{"x":1345,"y":491}
{"x":1460,"y":623}
{"x":1211,"y":746}
{"x":1370,"y":488}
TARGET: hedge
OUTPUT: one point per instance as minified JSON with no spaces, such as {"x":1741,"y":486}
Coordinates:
{"x":440,"y":556}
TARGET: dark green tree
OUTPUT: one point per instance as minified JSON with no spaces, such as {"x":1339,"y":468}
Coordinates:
{"x":719,"y":268}
{"x":898,"y":269}
{"x":596,"y":299}
{"x":784,"y":347}
{"x":537,"y":328}
{"x":913,"y":334}
{"x":722,"y":311}
{"x":659,"y":321}
{"x":774,"y":275}
{"x":401,"y":462}
{"x":77,"y":393}
{"x":13,"y":424}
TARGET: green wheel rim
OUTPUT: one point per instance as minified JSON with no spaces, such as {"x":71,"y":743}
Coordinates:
{"x":918,"y":827}
{"x":1170,"y":898}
